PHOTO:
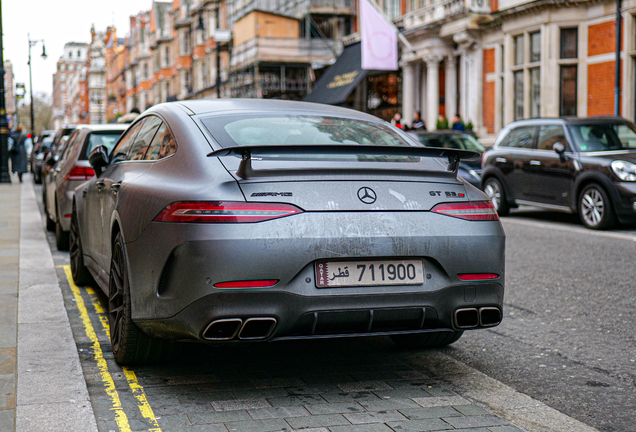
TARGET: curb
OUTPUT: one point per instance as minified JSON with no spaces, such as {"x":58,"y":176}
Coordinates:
{"x":51,"y":390}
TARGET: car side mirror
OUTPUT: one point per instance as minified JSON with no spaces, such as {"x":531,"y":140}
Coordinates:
{"x":51,"y":161}
{"x":559,"y":148}
{"x":98,"y":159}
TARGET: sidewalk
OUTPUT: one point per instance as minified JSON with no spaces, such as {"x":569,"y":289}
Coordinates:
{"x":42,"y":387}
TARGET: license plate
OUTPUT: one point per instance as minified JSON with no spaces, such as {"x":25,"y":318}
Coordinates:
{"x":331,"y":274}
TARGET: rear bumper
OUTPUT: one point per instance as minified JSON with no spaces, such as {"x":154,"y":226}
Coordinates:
{"x":173,"y":269}
{"x":295,"y":316}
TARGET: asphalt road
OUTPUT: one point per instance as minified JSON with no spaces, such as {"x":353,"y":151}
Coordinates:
{"x":568,"y":337}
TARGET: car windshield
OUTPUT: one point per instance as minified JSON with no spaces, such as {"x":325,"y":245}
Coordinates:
{"x":603,"y":137}
{"x":95,"y":139}
{"x":456,"y":141}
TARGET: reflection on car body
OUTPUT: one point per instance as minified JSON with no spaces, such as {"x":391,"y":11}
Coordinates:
{"x":210,"y":221}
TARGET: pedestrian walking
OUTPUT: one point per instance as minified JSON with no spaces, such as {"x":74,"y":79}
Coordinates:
{"x":18,"y":152}
{"x":458,"y":124}
{"x":418,"y":123}
{"x":397,"y":120}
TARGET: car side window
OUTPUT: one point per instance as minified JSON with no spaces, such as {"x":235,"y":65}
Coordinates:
{"x":120,"y":151}
{"x":521,"y":137}
{"x":549,"y":135}
{"x":66,"y":149}
{"x":163,"y":145}
{"x":138,"y":150}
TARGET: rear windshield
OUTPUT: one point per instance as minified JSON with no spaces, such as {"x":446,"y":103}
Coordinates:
{"x":603,"y":137}
{"x":464,"y":142}
{"x":299,"y":130}
{"x":95,"y":139}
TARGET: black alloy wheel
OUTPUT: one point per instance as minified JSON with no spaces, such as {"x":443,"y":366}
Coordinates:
{"x":427,"y":340}
{"x":495,"y":191}
{"x":79,"y":271}
{"x":130,"y":344}
{"x":595,"y":208}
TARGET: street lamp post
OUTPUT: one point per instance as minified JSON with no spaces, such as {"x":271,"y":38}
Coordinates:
{"x":4,"y":124}
{"x":32,"y":43}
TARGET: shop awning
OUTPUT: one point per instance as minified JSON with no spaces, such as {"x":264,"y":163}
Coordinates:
{"x":337,"y":83}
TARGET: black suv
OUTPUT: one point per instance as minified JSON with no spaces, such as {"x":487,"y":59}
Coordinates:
{"x":569,"y":164}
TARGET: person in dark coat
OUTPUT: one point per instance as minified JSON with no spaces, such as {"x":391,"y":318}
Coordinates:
{"x":18,"y":154}
{"x":458,"y":124}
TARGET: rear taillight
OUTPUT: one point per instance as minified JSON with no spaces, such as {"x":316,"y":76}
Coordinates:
{"x":474,"y":211}
{"x":224,"y":212}
{"x":80,"y":173}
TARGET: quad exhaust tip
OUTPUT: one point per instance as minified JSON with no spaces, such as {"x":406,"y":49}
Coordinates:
{"x":468,"y":318}
{"x":229,"y":328}
{"x":489,"y":316}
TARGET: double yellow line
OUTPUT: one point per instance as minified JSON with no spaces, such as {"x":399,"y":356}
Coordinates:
{"x":109,"y":384}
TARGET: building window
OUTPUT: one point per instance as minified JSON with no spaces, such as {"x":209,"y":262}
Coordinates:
{"x":519,"y":49}
{"x":568,"y":90}
{"x":527,"y":75}
{"x":535,"y":92}
{"x":568,"y":77}
{"x":535,"y":47}
{"x":392,"y":8}
{"x":569,"y":43}
{"x":79,"y":54}
{"x":518,"y":93}
{"x":145,"y":71}
{"x":167,"y":57}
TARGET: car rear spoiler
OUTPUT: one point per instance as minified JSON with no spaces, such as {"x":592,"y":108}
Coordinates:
{"x":245,"y":169}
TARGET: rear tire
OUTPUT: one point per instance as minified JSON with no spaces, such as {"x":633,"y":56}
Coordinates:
{"x":81,"y":275}
{"x":495,"y":192}
{"x":427,"y":340}
{"x":595,"y":208}
{"x":37,"y":177}
{"x":130,"y":344}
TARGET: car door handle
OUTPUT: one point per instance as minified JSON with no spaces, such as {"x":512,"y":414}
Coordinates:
{"x":115,"y":187}
{"x":535,"y":162}
{"x":100,"y":185}
{"x":500,"y":159}
{"x":85,"y":192}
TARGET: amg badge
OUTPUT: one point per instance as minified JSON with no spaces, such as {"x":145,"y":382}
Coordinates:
{"x":271,"y":194}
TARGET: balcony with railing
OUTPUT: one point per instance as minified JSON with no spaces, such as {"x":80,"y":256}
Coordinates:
{"x":283,"y":50}
{"x":336,"y":7}
{"x":439,"y":11}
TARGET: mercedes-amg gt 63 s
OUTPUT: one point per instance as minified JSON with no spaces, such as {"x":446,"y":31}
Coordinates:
{"x":234,"y":221}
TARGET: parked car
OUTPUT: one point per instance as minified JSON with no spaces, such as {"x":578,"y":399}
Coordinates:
{"x":570,"y":164}
{"x":233,"y":221}
{"x":469,"y":171}
{"x":36,"y":156}
{"x":69,"y":169}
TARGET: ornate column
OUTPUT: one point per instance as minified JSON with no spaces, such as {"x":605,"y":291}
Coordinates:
{"x":432,"y":90}
{"x":451,"y":86}
{"x":423,"y":94}
{"x":408,"y":92}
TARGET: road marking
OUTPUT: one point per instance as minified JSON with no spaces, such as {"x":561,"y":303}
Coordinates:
{"x":109,"y":384}
{"x":619,"y":236}
{"x":131,"y":377}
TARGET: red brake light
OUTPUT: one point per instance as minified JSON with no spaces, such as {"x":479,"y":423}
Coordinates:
{"x":474,"y":211}
{"x":247,"y":284}
{"x":224,"y":212}
{"x":477,"y":276}
{"x":80,"y":173}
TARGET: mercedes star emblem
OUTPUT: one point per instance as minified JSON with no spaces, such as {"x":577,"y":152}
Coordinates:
{"x":367,"y":195}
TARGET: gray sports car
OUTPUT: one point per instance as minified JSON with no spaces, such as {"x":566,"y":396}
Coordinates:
{"x":258,"y":220}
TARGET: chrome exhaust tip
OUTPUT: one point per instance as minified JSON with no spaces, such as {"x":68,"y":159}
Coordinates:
{"x":466,"y":318}
{"x":489,"y":316}
{"x":257,"y":328}
{"x":222,"y":329}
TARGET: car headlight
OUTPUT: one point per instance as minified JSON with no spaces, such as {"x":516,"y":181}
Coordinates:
{"x":626,"y":171}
